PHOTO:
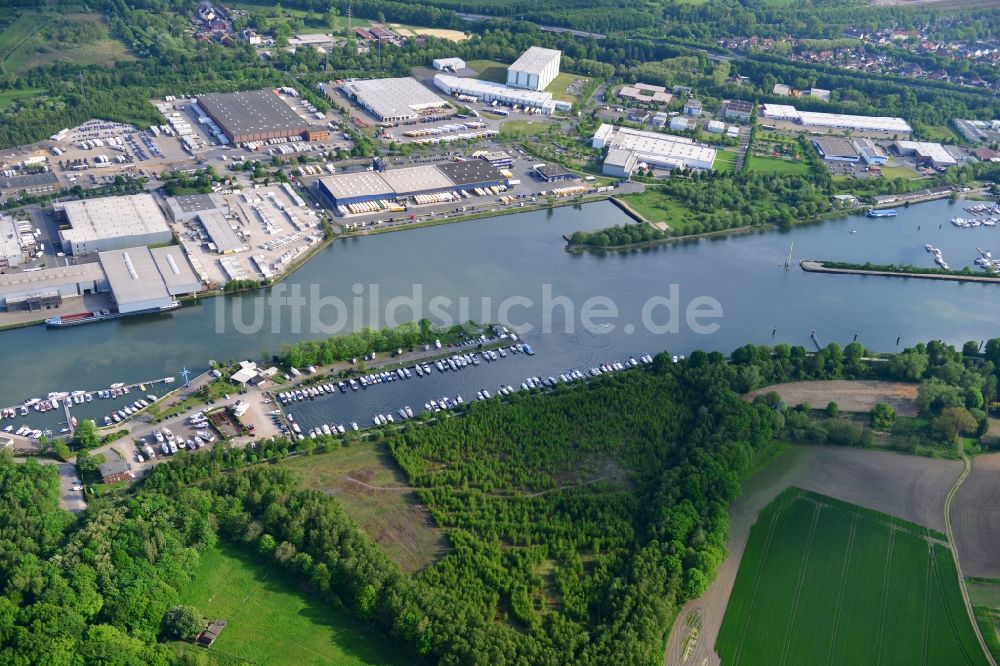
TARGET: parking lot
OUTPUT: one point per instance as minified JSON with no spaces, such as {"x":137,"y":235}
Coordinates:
{"x":275,"y":230}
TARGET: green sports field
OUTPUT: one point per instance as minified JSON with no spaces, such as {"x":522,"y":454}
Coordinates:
{"x":825,"y":582}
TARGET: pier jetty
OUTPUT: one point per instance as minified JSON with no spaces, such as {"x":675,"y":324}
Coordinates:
{"x":813,"y":266}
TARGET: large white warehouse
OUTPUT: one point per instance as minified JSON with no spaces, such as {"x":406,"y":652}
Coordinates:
{"x":112,"y":223}
{"x":535,"y":69}
{"x":628,"y":148}
{"x":836,"y":120}
{"x":487,"y":91}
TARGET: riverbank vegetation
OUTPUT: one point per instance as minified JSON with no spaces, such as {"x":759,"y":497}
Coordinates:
{"x":618,"y":236}
{"x":701,"y":203}
{"x":906,"y":269}
{"x":367,"y":341}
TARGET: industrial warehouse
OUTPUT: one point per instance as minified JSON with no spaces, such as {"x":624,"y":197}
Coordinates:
{"x":370,"y":191}
{"x":143,"y":280}
{"x":257,"y":115}
{"x":138,"y":279}
{"x":840,"y":121}
{"x":392,"y":100}
{"x":628,"y":149}
{"x":474,"y":90}
{"x":111,"y":223}
{"x":535,"y":69}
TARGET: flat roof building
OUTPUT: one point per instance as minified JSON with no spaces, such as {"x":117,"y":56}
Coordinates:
{"x":870,"y":152}
{"x":393,"y":100}
{"x":535,"y":69}
{"x":835,"y":149}
{"x":29,"y":183}
{"x":176,"y":271}
{"x":927,"y":153}
{"x":487,"y":91}
{"x":344,"y":189}
{"x":552,"y":173}
{"x":186,"y":207}
{"x":472,"y":174}
{"x":889,"y":125}
{"x":737,"y":108}
{"x":425,"y":179}
{"x":501,"y":159}
{"x":135,"y":280}
{"x":109,"y":223}
{"x":692,"y":107}
{"x":222,"y":237}
{"x":652,"y":148}
{"x":445,"y":64}
{"x":62,"y":281}
{"x":257,"y":115}
{"x":11,"y":247}
{"x":643,"y":92}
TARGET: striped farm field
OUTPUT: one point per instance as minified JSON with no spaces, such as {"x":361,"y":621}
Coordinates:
{"x":826,"y":582}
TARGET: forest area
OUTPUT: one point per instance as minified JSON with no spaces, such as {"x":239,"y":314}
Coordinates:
{"x":578,"y":519}
{"x":164,"y":58}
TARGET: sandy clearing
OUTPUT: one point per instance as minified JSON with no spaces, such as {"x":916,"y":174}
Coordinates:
{"x":453,"y":35}
{"x":909,"y":487}
{"x":851,"y":396}
{"x":975,"y":518}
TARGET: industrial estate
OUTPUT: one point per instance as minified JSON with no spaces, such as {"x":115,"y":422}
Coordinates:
{"x":243,"y":422}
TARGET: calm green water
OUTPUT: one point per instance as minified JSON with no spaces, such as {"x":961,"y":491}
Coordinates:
{"x":516,"y":256}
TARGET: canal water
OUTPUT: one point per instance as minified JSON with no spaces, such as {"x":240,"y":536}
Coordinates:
{"x":519,"y":264}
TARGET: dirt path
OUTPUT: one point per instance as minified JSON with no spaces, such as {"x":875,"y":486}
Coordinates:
{"x":604,"y":477}
{"x":909,"y":487}
{"x":371,"y":487}
{"x":966,"y":469}
{"x":850,"y":396}
{"x":975,"y":518}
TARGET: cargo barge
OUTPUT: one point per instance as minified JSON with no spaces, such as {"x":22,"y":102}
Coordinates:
{"x":62,"y":321}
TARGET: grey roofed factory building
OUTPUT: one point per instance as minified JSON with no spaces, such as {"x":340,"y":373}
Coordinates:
{"x":110,"y":223}
{"x":220,"y":232}
{"x":135,"y":280}
{"x":472,"y":173}
{"x":186,"y":207}
{"x":836,"y":149}
{"x":175,"y":269}
{"x":65,"y":281}
{"x":358,"y":187}
{"x":344,"y":189}
{"x":29,"y":183}
{"x":256,"y":115}
{"x":551,"y":173}
{"x":392,"y":100}
{"x":416,"y":180}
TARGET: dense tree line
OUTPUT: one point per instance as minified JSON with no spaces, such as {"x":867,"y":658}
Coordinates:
{"x":748,"y":199}
{"x":618,"y":236}
{"x":94,"y":591}
{"x":366,"y":341}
